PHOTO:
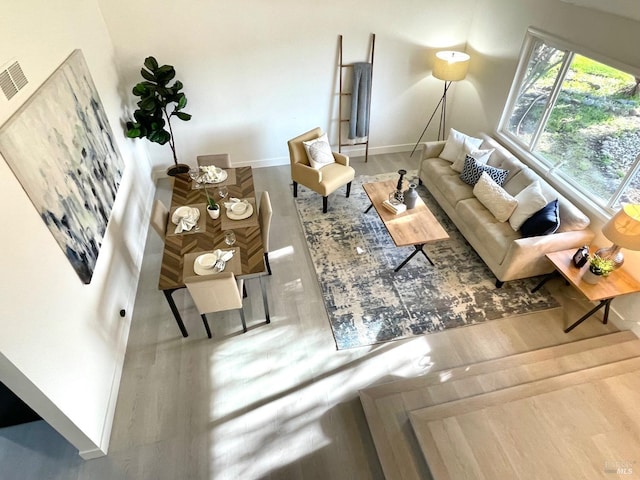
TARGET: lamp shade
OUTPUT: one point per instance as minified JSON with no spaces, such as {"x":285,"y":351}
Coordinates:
{"x":451,"y":66}
{"x":623,"y":229}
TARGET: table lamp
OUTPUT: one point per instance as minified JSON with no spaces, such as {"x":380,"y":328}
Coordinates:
{"x":623,"y":230}
{"x":451,"y":67}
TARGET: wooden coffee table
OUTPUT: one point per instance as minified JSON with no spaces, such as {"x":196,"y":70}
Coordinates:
{"x":415,"y":227}
{"x":619,"y":282}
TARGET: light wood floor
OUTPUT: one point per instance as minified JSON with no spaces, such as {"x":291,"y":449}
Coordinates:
{"x":278,"y":402}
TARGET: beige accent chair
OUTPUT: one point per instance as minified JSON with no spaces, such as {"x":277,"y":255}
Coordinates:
{"x":324,"y":181}
{"x":160,"y":218}
{"x":220,"y":160}
{"x":216,"y":293}
{"x":265,"y":212}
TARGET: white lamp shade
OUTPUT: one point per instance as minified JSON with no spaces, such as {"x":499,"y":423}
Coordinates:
{"x":623,"y":229}
{"x":451,"y":66}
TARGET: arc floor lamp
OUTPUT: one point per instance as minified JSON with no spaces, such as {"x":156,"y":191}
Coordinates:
{"x":449,"y":66}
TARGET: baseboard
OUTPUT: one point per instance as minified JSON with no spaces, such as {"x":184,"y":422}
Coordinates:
{"x":91,"y":454}
{"x":359,"y":150}
{"x":355,"y":151}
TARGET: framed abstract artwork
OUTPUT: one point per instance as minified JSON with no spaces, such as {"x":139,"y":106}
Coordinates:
{"x":61,"y":149}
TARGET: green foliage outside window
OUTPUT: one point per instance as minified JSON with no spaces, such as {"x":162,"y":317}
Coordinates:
{"x":588,"y":132}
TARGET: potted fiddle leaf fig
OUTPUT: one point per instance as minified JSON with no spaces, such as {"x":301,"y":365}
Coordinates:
{"x":159,"y":103}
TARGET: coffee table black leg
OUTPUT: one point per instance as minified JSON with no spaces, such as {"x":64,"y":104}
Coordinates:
{"x":603,"y":303}
{"x":172,"y":305}
{"x":370,"y":206}
{"x":418,"y":248}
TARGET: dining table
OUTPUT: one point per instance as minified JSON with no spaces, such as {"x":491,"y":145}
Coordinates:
{"x":208,"y":234}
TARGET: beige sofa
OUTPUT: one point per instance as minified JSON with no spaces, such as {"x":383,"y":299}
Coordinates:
{"x":505,"y":251}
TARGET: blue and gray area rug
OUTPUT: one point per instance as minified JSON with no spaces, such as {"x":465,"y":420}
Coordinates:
{"x":368,"y":303}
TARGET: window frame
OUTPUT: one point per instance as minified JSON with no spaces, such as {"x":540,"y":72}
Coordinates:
{"x":544,"y":167}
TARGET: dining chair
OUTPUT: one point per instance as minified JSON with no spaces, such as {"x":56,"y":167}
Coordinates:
{"x":216,"y":293}
{"x":265,"y":212}
{"x":324,"y":180}
{"x":159,"y":218}
{"x":220,"y":160}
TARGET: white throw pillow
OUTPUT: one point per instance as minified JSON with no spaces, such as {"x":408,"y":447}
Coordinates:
{"x":530,"y":200}
{"x":455,"y":144}
{"x":319,"y":152}
{"x":494,"y":197}
{"x":481,"y":156}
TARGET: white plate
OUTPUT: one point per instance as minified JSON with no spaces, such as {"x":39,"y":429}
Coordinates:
{"x":205,"y":259}
{"x":247,"y":213}
{"x":221,"y":177}
{"x":182,"y":212}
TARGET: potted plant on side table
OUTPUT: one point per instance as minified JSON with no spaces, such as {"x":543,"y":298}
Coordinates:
{"x":598,"y":267}
{"x":159,"y":103}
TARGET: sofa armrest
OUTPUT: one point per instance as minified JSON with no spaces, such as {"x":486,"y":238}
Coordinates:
{"x":526,"y":256}
{"x":432,"y":149}
{"x":341,"y":158}
{"x":556,"y":241}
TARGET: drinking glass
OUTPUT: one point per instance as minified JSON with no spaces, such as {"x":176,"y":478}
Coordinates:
{"x":194,"y":173}
{"x":223,"y":192}
{"x":229,"y":237}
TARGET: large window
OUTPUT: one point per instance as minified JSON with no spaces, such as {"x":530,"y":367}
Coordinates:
{"x":579,"y":119}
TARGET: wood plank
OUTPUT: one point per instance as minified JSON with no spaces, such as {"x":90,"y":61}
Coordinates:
{"x":387,"y":406}
{"x":432,"y":425}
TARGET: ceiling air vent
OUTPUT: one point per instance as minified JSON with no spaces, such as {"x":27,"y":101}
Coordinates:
{"x":12,"y":79}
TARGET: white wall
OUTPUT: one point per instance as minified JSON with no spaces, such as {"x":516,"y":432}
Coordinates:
{"x":62,"y":343}
{"x":258,"y":73}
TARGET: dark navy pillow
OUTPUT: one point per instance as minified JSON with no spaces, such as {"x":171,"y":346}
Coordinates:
{"x":544,"y":222}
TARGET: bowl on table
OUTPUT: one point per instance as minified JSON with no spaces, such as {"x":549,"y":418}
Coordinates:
{"x":239,"y":208}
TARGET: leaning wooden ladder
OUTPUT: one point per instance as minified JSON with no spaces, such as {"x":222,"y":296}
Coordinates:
{"x":341,"y":67}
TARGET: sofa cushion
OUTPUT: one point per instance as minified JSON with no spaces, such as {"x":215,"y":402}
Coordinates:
{"x":481,"y":156}
{"x":511,"y":164}
{"x":520,"y":181}
{"x":436,"y":168}
{"x":452,"y":188}
{"x":495,"y":198}
{"x":455,"y":146}
{"x":544,"y":222}
{"x":486,"y":228}
{"x":472,"y":171}
{"x":530,"y":200}
{"x":571,"y":217}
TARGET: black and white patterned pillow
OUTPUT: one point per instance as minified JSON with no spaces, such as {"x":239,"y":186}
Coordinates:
{"x":472,"y":172}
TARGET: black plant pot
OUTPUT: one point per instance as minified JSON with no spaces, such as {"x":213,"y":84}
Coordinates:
{"x":177,"y":169}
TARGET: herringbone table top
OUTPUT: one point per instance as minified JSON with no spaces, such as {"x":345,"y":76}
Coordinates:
{"x":248,"y":239}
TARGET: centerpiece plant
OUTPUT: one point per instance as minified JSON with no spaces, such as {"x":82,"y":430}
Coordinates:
{"x":159,"y":103}
{"x":212,"y":207}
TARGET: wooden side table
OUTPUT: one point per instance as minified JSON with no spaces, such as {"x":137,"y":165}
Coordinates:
{"x":619,"y":282}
